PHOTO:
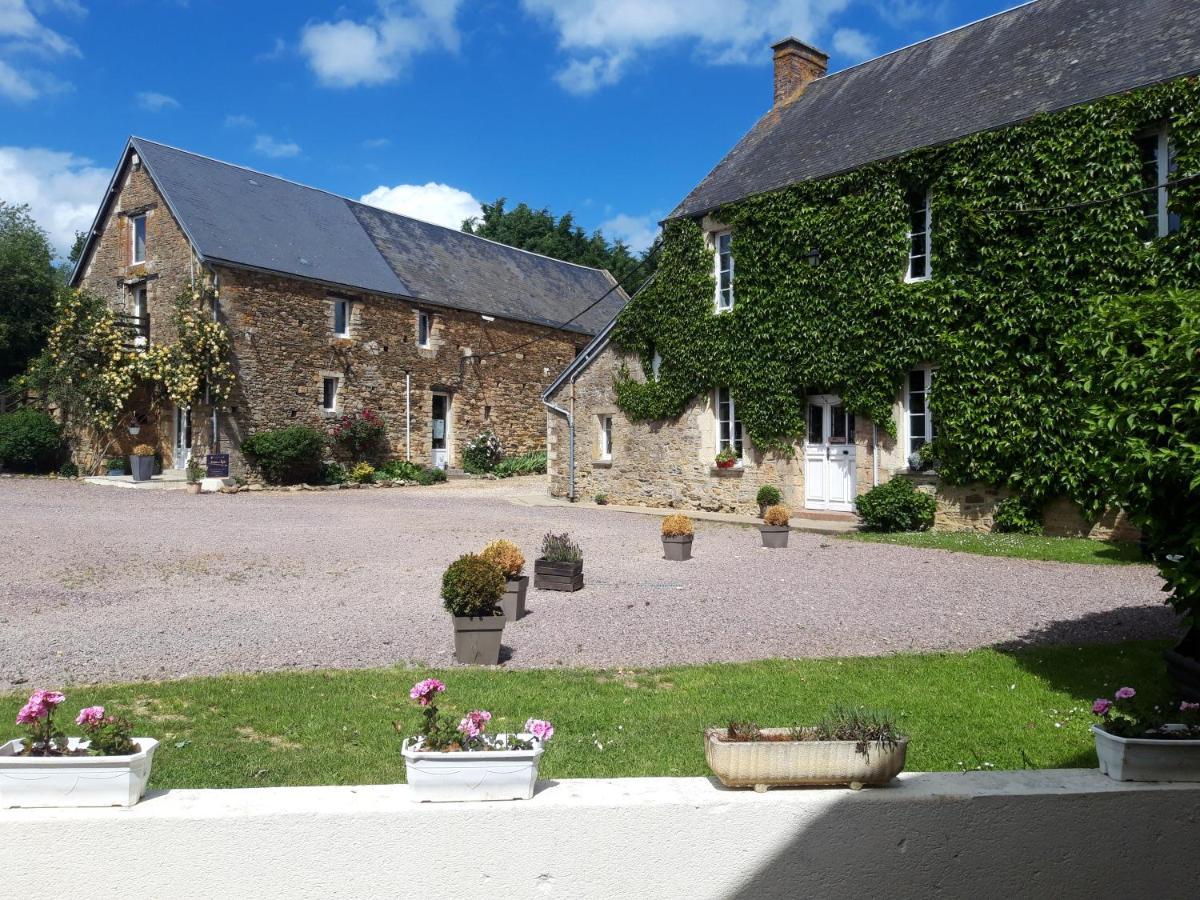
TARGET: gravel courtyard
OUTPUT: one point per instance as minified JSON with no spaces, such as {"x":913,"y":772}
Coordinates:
{"x":104,"y":584}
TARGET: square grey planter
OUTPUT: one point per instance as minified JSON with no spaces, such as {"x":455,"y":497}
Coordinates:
{"x":775,"y":536}
{"x":142,"y":467}
{"x":677,"y":547}
{"x":513,"y":601}
{"x":477,"y":639}
{"x":558,"y":576}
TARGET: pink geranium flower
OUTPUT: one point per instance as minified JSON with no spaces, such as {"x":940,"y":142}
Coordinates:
{"x":1126,"y":693}
{"x":473,"y":724}
{"x":47,"y":698}
{"x":31,"y":712}
{"x":1101,"y":707}
{"x":424,"y":691}
{"x":92,"y":715}
{"x":540,"y":729}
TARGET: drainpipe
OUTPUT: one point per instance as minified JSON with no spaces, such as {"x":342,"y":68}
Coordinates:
{"x":408,"y":416}
{"x":570,"y":417}
{"x":874,"y":455}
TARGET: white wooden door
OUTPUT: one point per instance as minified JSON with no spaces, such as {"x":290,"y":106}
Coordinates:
{"x":440,"y":431}
{"x":829,"y":455}
{"x":183,"y":438}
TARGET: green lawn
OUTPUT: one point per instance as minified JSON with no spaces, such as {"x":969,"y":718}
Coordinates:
{"x":963,"y":711}
{"x":1019,"y":546}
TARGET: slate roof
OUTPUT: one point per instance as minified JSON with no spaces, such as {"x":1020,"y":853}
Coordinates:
{"x":244,"y":218}
{"x":1046,"y":55}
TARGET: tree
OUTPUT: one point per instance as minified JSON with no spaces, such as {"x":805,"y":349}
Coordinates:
{"x":29,"y":285}
{"x":540,"y":231}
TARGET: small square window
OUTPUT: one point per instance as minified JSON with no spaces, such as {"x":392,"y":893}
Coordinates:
{"x":606,"y":437}
{"x":341,"y":318}
{"x":138,"y":243}
{"x":423,"y":329}
{"x":329,"y":392}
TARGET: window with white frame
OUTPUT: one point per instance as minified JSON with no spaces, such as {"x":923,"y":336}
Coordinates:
{"x":137,"y":242}
{"x":141,"y":313}
{"x":605,"y":432}
{"x":341,"y":317}
{"x":423,"y":329}
{"x":729,"y":426}
{"x":1156,"y":154}
{"x":918,"y":416}
{"x":329,"y":393}
{"x":920,"y":242}
{"x":723,"y":245}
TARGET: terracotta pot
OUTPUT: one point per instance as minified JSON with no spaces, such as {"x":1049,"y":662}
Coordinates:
{"x":193,"y":487}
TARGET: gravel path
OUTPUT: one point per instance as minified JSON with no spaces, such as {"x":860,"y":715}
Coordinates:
{"x":103,"y":584}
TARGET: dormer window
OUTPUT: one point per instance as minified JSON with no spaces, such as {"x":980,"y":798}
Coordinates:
{"x":138,"y":239}
{"x":1157,"y":157}
{"x":341,"y":317}
{"x":919,"y":236}
{"x":723,"y":245}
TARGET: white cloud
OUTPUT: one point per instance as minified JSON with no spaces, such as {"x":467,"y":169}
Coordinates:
{"x":62,"y":190}
{"x":268,"y":146}
{"x":637,"y":232}
{"x":22,"y":33}
{"x":346,"y":53}
{"x":152,"y":101}
{"x":237,"y":120}
{"x":376,"y":143}
{"x":432,"y":202}
{"x":853,"y":44}
{"x":603,"y":36}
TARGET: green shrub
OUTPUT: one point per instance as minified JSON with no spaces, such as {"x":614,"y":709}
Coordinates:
{"x":896,"y":506}
{"x":115,"y":463}
{"x":68,"y":470}
{"x":482,"y":453}
{"x":334,"y":473}
{"x":768,"y":495}
{"x":403,"y":470}
{"x":363,"y":473}
{"x":532,"y":463}
{"x":1014,"y":515}
{"x":287,"y":455}
{"x":360,"y":435}
{"x":472,"y":586}
{"x":30,"y":441}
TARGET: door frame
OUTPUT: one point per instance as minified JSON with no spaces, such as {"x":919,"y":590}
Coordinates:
{"x":180,"y":460}
{"x":823,"y":455}
{"x":447,"y":437}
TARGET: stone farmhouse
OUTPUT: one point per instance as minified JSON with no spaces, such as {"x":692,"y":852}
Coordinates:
{"x":334,"y":306}
{"x":918,"y":106}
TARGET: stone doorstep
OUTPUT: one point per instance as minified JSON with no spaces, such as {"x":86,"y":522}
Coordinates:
{"x":171,"y":480}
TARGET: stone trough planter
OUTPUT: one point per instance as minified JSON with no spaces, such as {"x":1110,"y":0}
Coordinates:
{"x":471,"y":775}
{"x":513,"y":601}
{"x":677,"y":547}
{"x":477,"y":639}
{"x":771,"y":763}
{"x":558,"y":576}
{"x":775,"y":536}
{"x":1147,"y":759}
{"x":74,"y":781}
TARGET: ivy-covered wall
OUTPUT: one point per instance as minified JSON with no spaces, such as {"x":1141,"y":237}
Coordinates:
{"x":1007,"y":287}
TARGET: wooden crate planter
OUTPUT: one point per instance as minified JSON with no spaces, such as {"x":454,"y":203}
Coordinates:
{"x":558,"y":576}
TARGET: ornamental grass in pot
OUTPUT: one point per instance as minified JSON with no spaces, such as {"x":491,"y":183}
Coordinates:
{"x":104,"y":767}
{"x":461,"y":761}
{"x":774,"y":528}
{"x":1138,"y":742}
{"x":560,"y":567}
{"x":471,"y":592}
{"x":141,"y":462}
{"x":851,"y":747}
{"x":508,"y":558}
{"x":677,"y":534}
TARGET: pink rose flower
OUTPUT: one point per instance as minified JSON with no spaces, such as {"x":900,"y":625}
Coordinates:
{"x":424,"y":691}
{"x":1126,"y":693}
{"x":540,"y":729}
{"x":93,"y":715}
{"x":1101,"y":707}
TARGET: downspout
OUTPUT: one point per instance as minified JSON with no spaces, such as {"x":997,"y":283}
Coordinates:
{"x":408,"y":416}
{"x":570,"y":417}
{"x":874,"y":455}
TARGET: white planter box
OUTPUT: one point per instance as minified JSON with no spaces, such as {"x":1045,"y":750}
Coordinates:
{"x":74,"y":780}
{"x":761,"y":764}
{"x":472,"y":775}
{"x":1145,"y":759}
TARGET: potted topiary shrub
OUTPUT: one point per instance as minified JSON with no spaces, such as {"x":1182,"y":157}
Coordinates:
{"x":1136,"y":743}
{"x":141,"y":462}
{"x":449,"y":761}
{"x":471,"y":592}
{"x":106,"y":767}
{"x":851,"y":747}
{"x":768,"y":495}
{"x":195,"y":471}
{"x":560,"y":567}
{"x":774,"y":528}
{"x":114,"y":466}
{"x":677,"y":534}
{"x":508,"y":558}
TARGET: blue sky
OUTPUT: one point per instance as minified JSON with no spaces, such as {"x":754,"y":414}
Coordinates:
{"x":612,"y":109}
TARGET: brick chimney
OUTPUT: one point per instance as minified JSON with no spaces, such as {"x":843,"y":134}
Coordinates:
{"x":797,"y":65}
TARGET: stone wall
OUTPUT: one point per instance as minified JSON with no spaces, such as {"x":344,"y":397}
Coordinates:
{"x":283,"y":346}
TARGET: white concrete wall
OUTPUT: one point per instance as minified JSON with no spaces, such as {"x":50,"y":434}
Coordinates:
{"x":1060,"y":834}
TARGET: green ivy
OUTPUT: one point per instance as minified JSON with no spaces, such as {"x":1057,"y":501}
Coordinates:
{"x":1007,"y":288}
